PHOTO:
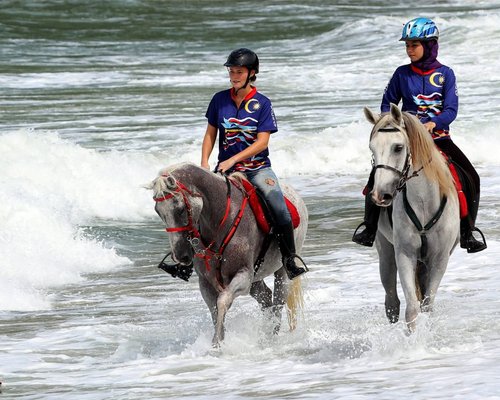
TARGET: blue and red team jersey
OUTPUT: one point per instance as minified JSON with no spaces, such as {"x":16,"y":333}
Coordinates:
{"x":238,"y":127}
{"x":430,"y":95}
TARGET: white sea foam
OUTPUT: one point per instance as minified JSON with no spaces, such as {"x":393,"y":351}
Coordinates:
{"x":49,"y":188}
{"x":148,"y":335}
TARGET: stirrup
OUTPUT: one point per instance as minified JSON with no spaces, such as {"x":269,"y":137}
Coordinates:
{"x":183,"y":272}
{"x":365,"y":237}
{"x":472,"y":244}
{"x":297,"y":270}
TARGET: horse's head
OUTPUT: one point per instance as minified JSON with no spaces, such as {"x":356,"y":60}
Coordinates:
{"x":402,"y":148}
{"x":391,"y":154}
{"x":179,"y":207}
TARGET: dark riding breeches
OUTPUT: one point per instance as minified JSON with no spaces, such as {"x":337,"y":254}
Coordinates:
{"x":468,"y":175}
{"x":452,"y":151}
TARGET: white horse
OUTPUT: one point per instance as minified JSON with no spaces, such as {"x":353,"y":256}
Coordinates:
{"x":424,"y":229}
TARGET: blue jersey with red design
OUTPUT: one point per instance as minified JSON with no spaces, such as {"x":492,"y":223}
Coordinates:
{"x":430,"y":95}
{"x":238,"y":127}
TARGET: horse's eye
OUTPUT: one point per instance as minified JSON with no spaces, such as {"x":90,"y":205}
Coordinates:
{"x":398,"y":148}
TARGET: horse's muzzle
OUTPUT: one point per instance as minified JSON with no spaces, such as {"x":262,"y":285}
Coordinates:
{"x":382,"y":199}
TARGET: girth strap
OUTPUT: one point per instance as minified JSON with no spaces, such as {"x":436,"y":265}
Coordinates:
{"x":423,"y":230}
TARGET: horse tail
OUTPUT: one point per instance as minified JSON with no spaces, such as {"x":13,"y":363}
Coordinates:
{"x":295,"y":302}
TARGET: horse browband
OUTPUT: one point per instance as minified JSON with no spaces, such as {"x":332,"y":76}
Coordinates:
{"x":391,"y":129}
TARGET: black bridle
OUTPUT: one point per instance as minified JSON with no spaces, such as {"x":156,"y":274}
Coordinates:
{"x":403,"y":174}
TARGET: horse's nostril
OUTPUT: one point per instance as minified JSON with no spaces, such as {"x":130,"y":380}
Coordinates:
{"x":387,"y":197}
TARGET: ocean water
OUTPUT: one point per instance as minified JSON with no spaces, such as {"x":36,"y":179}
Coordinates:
{"x":96,"y":97}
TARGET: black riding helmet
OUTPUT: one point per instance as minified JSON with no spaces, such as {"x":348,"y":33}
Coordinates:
{"x":243,"y":58}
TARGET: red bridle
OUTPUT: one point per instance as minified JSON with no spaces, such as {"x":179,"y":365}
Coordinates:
{"x":184,"y":191}
{"x":207,"y":253}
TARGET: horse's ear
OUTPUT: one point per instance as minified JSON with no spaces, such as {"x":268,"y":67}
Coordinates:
{"x":396,"y":114}
{"x":371,"y":116}
{"x":171,"y":182}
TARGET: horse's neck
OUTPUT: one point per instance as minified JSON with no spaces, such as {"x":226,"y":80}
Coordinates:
{"x":215,"y":198}
{"x":421,"y":191}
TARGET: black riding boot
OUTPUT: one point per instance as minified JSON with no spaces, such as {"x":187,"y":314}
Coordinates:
{"x":467,"y":226}
{"x":367,"y":236}
{"x":287,"y":247}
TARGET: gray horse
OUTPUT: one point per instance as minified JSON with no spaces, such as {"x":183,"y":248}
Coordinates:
{"x":210,"y":224}
{"x":424,"y":230}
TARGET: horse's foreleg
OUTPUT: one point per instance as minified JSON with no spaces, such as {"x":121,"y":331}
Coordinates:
{"x":388,"y":276}
{"x":209,"y":294}
{"x":421,"y":281}
{"x":436,"y":270}
{"x":240,"y":284}
{"x":406,"y":268}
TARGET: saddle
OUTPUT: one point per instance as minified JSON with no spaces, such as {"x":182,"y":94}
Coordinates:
{"x":261,"y":211}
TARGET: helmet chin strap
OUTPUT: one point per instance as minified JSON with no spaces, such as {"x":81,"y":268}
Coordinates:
{"x":246,"y":83}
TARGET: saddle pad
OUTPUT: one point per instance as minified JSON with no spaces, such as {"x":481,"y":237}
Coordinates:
{"x":462,"y":200}
{"x":258,"y":210}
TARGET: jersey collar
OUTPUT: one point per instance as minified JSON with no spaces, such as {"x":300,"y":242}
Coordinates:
{"x":247,"y":97}
{"x":421,"y":71}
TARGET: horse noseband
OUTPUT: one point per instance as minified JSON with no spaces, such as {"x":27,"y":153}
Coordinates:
{"x":403,"y":174}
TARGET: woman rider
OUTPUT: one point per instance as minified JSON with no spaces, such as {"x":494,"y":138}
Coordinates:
{"x":428,"y":90}
{"x":244,"y":120}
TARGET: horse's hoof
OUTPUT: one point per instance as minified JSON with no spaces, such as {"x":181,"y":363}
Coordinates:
{"x":393,"y":318}
{"x":392,"y":314}
{"x":215,"y":346}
